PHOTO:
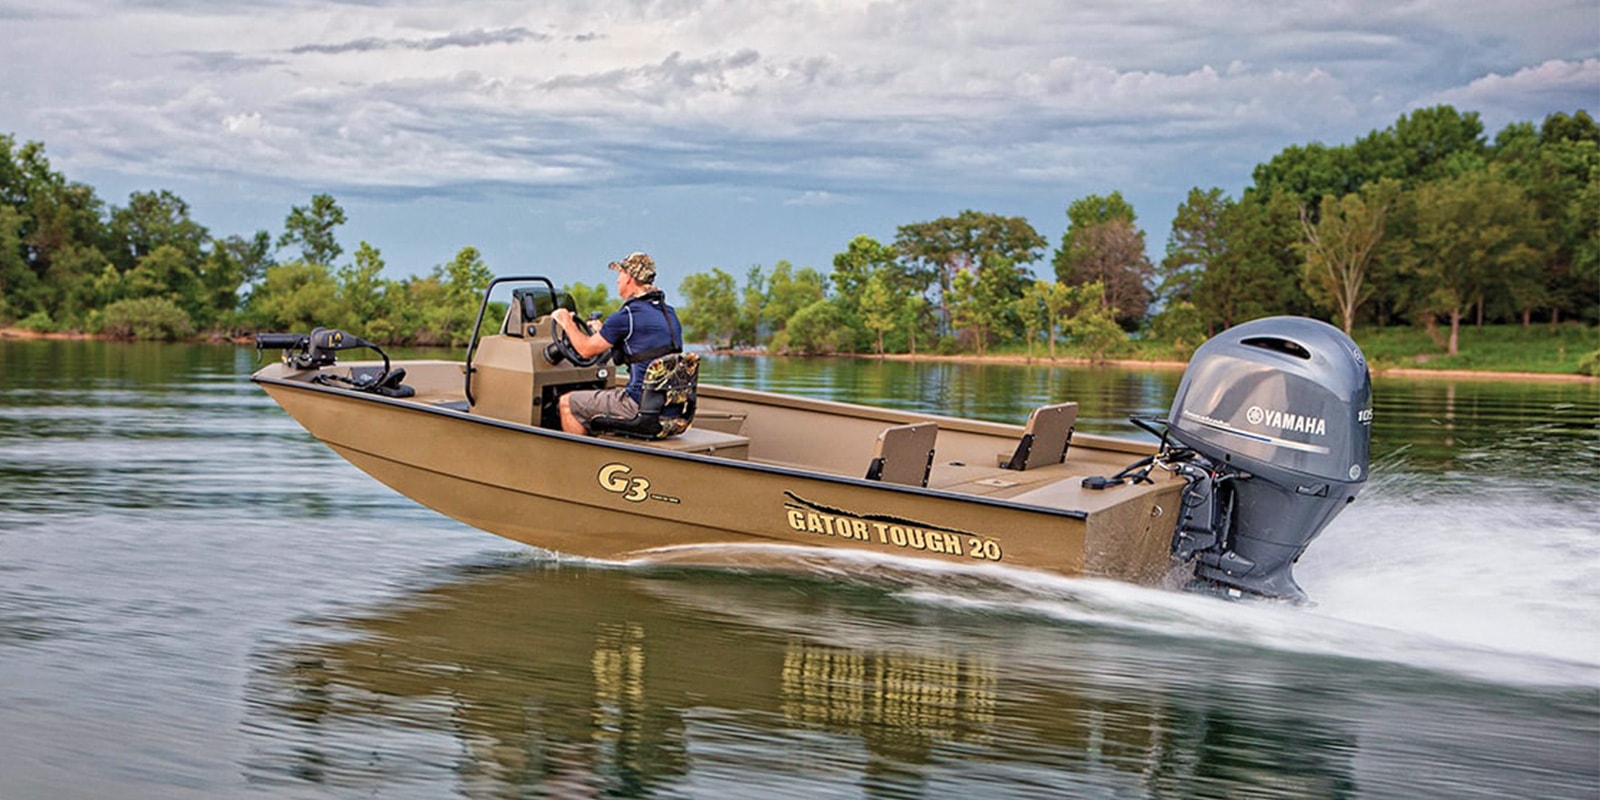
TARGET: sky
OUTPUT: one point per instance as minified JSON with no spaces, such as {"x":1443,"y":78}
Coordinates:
{"x":557,"y":136}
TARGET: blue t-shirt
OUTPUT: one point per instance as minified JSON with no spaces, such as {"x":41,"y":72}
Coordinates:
{"x":640,"y":326}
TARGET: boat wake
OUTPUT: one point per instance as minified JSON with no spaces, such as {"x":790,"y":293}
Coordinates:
{"x":1489,"y":583}
{"x":1507,"y":568}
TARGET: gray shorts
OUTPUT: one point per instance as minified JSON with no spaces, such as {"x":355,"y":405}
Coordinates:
{"x":586,"y":404}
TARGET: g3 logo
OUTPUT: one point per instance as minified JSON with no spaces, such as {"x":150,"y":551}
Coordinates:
{"x":614,"y":478}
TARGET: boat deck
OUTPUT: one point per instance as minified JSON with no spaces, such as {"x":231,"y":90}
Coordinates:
{"x":827,"y":437}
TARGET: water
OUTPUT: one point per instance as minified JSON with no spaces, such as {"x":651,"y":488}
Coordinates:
{"x":198,"y":600}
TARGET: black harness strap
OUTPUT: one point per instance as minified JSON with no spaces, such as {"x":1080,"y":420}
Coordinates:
{"x":657,"y":300}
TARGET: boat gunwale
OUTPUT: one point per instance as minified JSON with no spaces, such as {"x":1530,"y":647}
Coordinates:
{"x":643,"y":449}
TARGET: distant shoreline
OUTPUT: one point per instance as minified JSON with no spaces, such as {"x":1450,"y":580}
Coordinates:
{"x":24,"y":333}
{"x":969,"y":358}
{"x":1128,"y":363}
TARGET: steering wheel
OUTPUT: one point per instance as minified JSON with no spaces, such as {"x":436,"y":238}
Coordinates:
{"x":564,"y":349}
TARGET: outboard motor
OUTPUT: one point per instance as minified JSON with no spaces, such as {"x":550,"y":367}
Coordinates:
{"x":1278,"y":415}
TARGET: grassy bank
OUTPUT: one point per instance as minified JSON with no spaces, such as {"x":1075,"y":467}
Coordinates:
{"x":1492,"y":348}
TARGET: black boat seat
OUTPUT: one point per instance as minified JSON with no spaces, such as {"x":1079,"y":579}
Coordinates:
{"x":666,"y":401}
{"x":904,"y":454}
{"x":1044,"y":439}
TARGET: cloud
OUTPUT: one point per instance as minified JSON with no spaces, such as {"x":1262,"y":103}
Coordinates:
{"x":655,"y":83}
{"x":818,"y":198}
{"x":1530,"y":93}
{"x":474,"y":38}
{"x":222,"y":63}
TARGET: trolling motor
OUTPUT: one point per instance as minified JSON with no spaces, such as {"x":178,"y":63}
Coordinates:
{"x":1271,"y":429}
{"x":316,"y":349}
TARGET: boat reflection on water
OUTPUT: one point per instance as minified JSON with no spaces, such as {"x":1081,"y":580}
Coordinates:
{"x":577,"y":681}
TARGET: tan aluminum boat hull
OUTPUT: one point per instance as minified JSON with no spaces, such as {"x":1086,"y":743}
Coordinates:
{"x":788,"y":474}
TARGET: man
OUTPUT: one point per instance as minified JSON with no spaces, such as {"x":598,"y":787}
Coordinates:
{"x":644,"y":329}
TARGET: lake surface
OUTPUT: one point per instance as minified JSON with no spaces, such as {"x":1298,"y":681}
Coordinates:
{"x":197,"y":600}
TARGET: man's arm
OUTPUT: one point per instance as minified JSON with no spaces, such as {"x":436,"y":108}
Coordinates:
{"x":586,"y":343}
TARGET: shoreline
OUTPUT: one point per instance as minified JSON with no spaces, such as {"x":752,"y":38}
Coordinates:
{"x":1130,"y":363}
{"x":23,"y":333}
{"x":969,"y":358}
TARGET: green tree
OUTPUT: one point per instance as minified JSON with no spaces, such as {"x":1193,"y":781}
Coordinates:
{"x":152,"y":220}
{"x":750,"y":327}
{"x":1557,"y":165}
{"x":1257,"y":274}
{"x":1339,"y":247}
{"x":914,"y":315}
{"x":1473,"y":237}
{"x":1059,"y":300}
{"x":1084,"y":214}
{"x":1586,"y":248}
{"x":166,"y":272}
{"x":1112,"y":253}
{"x":146,"y":318}
{"x":1029,"y":310}
{"x":937,"y":251}
{"x":1104,"y":243}
{"x":295,"y":296}
{"x":1307,"y":173}
{"x":52,"y":213}
{"x":361,"y":288}
{"x":788,"y":291}
{"x":813,"y":329}
{"x":1093,"y":327}
{"x":877,"y":305}
{"x":462,"y":281}
{"x":1425,"y":145}
{"x":230,"y":264}
{"x":1181,"y":324}
{"x":1194,"y":245}
{"x":711,"y":307}
{"x":863,"y":261}
{"x":981,"y":301}
{"x":70,"y":285}
{"x":592,"y":298}
{"x":19,"y":285}
{"x":410,"y":315}
{"x":312,"y":228}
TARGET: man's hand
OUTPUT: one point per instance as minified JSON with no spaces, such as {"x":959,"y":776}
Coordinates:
{"x":584,"y":340}
{"x":563,"y":317}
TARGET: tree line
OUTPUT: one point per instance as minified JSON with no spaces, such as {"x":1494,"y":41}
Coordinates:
{"x":1426,"y":222}
{"x":69,"y":262}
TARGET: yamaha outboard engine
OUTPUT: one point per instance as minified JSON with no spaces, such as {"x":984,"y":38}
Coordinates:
{"x":1278,"y":414}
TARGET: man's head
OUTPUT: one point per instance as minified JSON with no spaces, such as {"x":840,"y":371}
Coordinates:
{"x":639,"y":267}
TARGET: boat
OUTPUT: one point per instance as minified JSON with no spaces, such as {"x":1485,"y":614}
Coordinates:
{"x":1266,"y":441}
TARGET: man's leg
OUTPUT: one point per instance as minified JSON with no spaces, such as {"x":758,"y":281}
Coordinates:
{"x":578,"y":407}
{"x":569,"y":420}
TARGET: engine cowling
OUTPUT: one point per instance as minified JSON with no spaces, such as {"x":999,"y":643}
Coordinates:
{"x":1280,"y":412}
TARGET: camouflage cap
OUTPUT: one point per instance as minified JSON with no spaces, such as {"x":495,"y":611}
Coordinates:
{"x":639,"y":265}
